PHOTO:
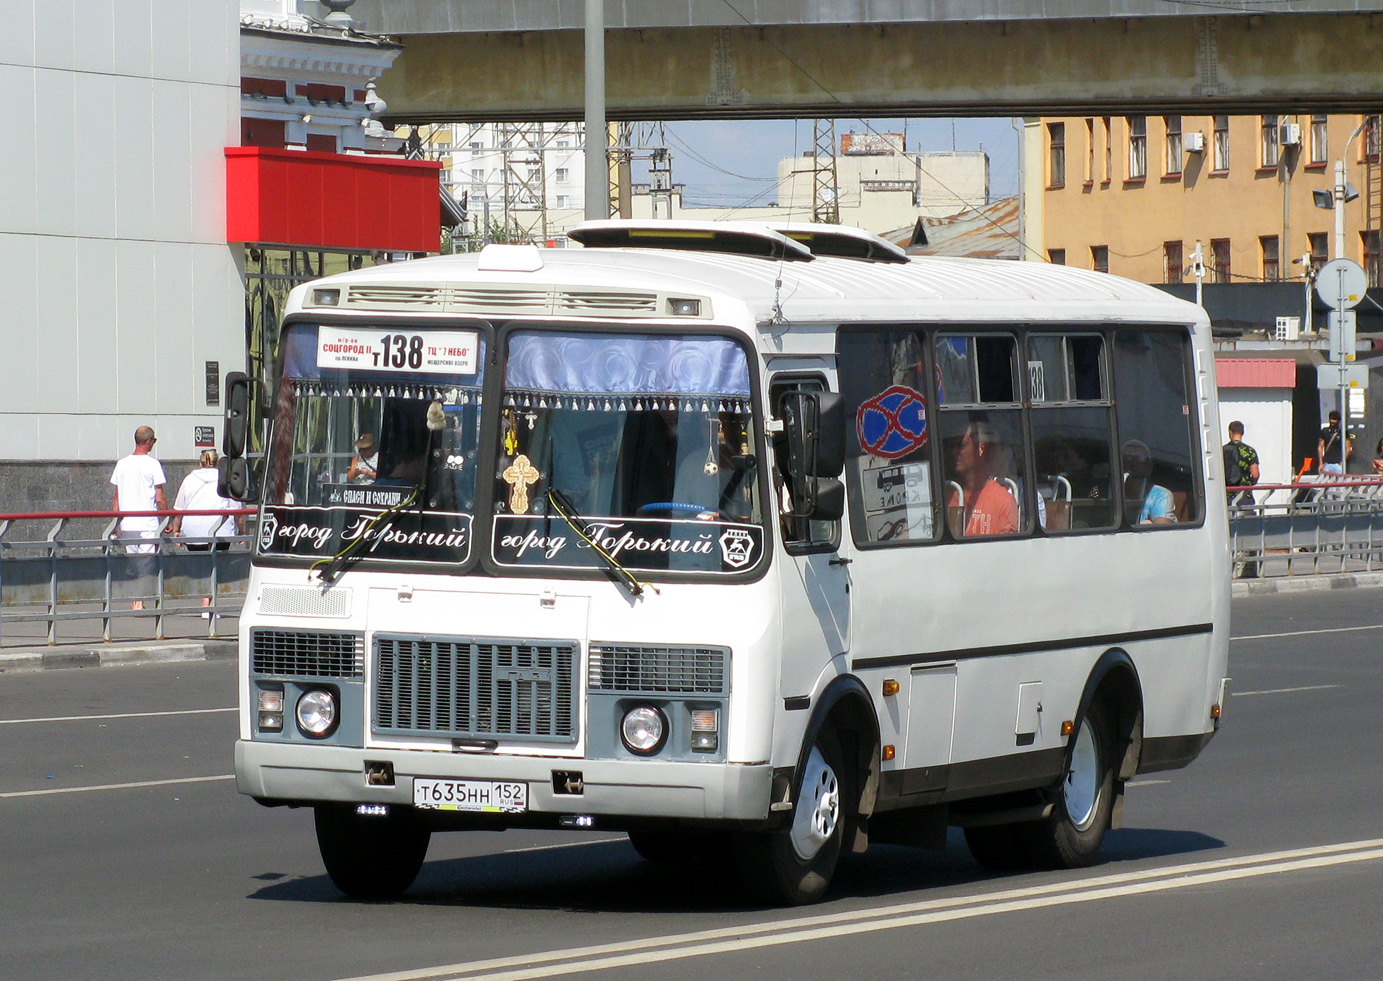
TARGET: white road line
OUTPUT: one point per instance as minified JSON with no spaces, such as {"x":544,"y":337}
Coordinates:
{"x":560,"y":844}
{"x":801,"y":929}
{"x":1146,"y":783}
{"x":1283,"y":691}
{"x":119,"y":715}
{"x":116,"y":786}
{"x":1309,"y":633}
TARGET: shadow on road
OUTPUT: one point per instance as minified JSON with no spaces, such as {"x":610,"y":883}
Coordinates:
{"x":610,"y":877}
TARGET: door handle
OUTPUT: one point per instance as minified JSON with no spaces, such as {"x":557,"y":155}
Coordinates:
{"x":839,"y":561}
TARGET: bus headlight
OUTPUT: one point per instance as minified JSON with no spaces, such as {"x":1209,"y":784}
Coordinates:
{"x":316,"y":713}
{"x":643,"y":730}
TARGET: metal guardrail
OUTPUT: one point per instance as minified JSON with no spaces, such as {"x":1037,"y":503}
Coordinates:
{"x":1323,"y":525}
{"x":81,"y":570}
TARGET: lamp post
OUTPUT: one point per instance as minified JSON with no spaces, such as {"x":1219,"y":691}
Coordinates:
{"x":597,"y":163}
{"x":1343,"y":192}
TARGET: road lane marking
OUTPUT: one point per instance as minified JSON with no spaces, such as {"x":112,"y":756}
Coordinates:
{"x":116,"y":786}
{"x":118,"y":715}
{"x":560,"y":844}
{"x":1146,"y":783}
{"x":1283,"y":691}
{"x":1309,"y":633}
{"x":801,"y":929}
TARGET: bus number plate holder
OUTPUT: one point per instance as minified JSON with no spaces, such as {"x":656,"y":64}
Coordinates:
{"x":485,"y":796}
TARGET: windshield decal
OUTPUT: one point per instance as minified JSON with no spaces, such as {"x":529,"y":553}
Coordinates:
{"x":433,"y":351}
{"x":321,"y":532}
{"x":638,"y":543}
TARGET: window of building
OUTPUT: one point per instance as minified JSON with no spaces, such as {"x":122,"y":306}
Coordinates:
{"x":322,"y":142}
{"x":477,"y":177}
{"x":1320,"y":249}
{"x":445,"y":177}
{"x":1089,"y":150}
{"x":1173,"y":123}
{"x":1272,"y":263}
{"x":563,"y":175}
{"x":1221,"y":143}
{"x":1056,"y":139}
{"x":1172,"y":263}
{"x":1319,"y":133}
{"x":563,"y":144}
{"x":1108,"y":151}
{"x":1371,"y":138}
{"x":563,"y":201}
{"x":1137,"y":147}
{"x":1155,"y":416}
{"x":1056,"y":257}
{"x":1099,"y":258}
{"x":1371,"y":257}
{"x":1219,"y":260}
{"x":1269,"y":149}
{"x":477,"y":148}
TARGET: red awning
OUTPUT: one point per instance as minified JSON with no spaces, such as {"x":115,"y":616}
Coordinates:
{"x":331,"y":200}
{"x":1255,"y":372}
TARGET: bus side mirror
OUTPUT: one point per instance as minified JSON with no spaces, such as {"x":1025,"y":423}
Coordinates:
{"x":233,"y":479}
{"x":237,"y":415}
{"x":814,"y":425}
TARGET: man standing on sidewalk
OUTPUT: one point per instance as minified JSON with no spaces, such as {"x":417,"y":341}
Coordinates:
{"x":1241,"y":465}
{"x":139,"y":480}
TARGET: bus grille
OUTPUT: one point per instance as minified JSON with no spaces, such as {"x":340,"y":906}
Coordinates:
{"x":474,"y":688}
{"x":674,"y":670}
{"x":307,"y":653}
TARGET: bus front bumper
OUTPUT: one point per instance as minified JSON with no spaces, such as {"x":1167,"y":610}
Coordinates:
{"x":636,"y":789}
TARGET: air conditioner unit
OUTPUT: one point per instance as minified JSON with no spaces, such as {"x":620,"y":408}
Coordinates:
{"x":1290,"y":135}
{"x":1194,"y":142}
{"x":1288,"y":329}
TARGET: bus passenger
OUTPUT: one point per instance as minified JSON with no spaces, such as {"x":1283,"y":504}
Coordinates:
{"x":988,"y":507}
{"x":365,"y":462}
{"x":1155,"y":503}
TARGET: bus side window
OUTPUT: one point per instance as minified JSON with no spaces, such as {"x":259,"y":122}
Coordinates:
{"x":1072,"y":432}
{"x":800,"y":534}
{"x":1156,"y":417}
{"x":888,"y":459}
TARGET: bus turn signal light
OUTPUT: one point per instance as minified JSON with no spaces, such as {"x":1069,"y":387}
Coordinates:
{"x":888,"y":753}
{"x":1067,"y":728}
{"x":890,"y":687}
{"x":1215,"y":711}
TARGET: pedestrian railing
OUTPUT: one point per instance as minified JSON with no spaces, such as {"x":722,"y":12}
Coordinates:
{"x":1322,"y":525}
{"x":71,"y":568}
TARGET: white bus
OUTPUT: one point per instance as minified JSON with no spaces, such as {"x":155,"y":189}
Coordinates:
{"x":761,"y":542}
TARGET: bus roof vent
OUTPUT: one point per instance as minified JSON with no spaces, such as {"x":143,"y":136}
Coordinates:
{"x":844,"y":241}
{"x":503,"y":299}
{"x":605,"y":301}
{"x":510,"y":258}
{"x":412,"y":297}
{"x":736,"y":238}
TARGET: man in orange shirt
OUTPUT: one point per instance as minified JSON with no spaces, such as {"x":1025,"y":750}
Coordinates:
{"x":988,"y":507}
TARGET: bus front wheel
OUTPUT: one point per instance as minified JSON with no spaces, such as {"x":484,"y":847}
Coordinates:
{"x":370,"y":857}
{"x":794,"y":866}
{"x":1083,"y":802}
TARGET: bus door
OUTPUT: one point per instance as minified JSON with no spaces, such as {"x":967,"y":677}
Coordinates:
{"x":815,"y":575}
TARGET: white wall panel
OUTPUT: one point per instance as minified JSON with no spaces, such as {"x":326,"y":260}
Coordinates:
{"x":19,"y":440}
{"x":134,"y":159}
{"x":53,"y":34}
{"x":56,"y":173}
{"x":18,"y":212}
{"x":98,"y":355}
{"x":19,"y":367}
{"x":172,"y":190}
{"x":218,"y":313}
{"x":136,"y":338}
{"x":100,"y":437}
{"x":214,"y":39}
{"x":215,"y":125}
{"x":94,"y":186}
{"x":17,"y":39}
{"x":171,"y":55}
{"x":93,"y":35}
{"x":56,"y":333}
{"x":134,"y":38}
{"x":175,"y":379}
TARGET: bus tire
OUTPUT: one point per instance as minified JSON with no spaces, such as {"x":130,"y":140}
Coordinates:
{"x":370,"y":857}
{"x":996,"y":847}
{"x":1083,"y":801}
{"x":677,"y":847}
{"x":793,"y":866}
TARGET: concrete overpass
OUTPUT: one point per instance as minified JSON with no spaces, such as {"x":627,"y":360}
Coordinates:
{"x":481,"y":60}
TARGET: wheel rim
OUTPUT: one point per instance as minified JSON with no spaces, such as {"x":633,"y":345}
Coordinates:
{"x":1082,"y":785}
{"x":818,"y":808}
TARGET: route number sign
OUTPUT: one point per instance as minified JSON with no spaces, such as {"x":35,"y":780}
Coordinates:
{"x":452,"y":352}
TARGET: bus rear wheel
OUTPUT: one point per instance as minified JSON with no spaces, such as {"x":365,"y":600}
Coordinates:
{"x":1082,"y":803}
{"x":370,"y":857}
{"x":793,"y":866}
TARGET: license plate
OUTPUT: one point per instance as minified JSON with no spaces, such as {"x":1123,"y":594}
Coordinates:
{"x":489,"y":796}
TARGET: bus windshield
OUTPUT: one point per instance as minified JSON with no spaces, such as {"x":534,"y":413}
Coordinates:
{"x":649,"y":440}
{"x":375,"y":436}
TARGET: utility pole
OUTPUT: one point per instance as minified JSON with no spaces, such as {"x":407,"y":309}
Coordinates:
{"x":1198,"y":267}
{"x":597,"y":166}
{"x":825,"y":188}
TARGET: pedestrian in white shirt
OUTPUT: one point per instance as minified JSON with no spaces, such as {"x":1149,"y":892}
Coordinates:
{"x":139,"y":480}
{"x":198,"y":493}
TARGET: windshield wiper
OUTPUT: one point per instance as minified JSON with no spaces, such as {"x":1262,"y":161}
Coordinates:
{"x":337,"y":564}
{"x":560,"y":503}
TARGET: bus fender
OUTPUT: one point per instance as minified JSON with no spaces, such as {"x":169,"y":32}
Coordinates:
{"x":1114,"y":678}
{"x":846,"y":703}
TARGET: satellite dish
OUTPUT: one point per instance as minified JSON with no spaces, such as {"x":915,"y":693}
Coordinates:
{"x":1341,"y":284}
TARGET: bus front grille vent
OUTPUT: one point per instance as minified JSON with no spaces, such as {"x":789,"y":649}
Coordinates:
{"x":658,"y":670}
{"x":474,"y":688}
{"x":484,"y":299}
{"x":307,"y":653}
{"x":384,"y":297}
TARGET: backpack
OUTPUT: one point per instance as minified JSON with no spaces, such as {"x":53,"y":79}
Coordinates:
{"x":1234,"y":474}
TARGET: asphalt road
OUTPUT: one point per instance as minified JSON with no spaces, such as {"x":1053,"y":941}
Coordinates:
{"x":1264,"y":859}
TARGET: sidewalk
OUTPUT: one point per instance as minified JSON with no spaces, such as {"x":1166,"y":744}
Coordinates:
{"x":1302,"y":584}
{"x":80,"y":644}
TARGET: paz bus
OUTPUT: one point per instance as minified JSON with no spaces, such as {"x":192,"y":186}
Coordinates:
{"x":756,"y":543}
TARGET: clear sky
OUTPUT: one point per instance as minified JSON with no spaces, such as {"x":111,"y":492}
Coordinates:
{"x":735,"y":162}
